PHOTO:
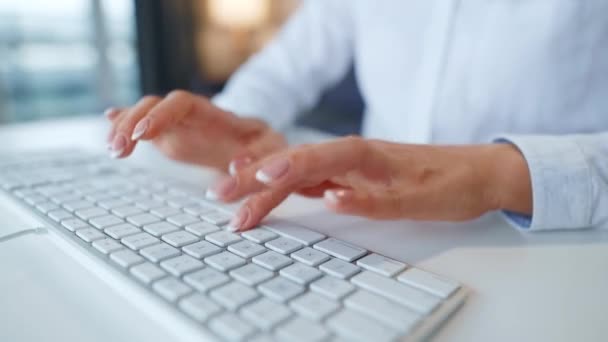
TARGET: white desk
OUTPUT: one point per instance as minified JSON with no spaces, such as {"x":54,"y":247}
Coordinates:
{"x":532,"y":287}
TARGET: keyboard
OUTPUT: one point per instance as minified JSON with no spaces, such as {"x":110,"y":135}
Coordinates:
{"x":278,"y":282}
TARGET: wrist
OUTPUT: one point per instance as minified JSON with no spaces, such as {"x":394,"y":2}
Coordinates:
{"x":510,"y":182}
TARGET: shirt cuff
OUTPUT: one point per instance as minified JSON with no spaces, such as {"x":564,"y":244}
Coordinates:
{"x":561,"y":183}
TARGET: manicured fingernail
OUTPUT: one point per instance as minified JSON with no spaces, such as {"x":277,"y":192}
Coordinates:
{"x":239,"y":220}
{"x":110,"y":113}
{"x":238,"y":164}
{"x":140,"y":129}
{"x":272,"y":171}
{"x":334,"y":196}
{"x":221,"y":189}
{"x":118,"y":146}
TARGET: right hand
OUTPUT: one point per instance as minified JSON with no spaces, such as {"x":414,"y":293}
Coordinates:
{"x":189,"y":128}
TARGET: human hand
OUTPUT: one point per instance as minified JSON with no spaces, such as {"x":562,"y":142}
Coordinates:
{"x":189,"y":128}
{"x":383,"y":180}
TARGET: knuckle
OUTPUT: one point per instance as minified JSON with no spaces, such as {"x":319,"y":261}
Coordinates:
{"x":178,"y":94}
{"x":149,"y":98}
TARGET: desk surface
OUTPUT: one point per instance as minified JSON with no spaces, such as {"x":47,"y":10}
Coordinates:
{"x":542,"y":286}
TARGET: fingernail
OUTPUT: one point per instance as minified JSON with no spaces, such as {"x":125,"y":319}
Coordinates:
{"x":118,"y":146}
{"x":238,"y":164}
{"x":222,"y":188}
{"x":272,"y":171}
{"x":239,"y":220}
{"x":334,"y":196}
{"x":110,"y":113}
{"x":140,"y":129}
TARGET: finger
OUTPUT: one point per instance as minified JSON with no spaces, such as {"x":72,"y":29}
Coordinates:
{"x":256,"y":208}
{"x":112,"y":113}
{"x":172,"y":109}
{"x":122,"y":144}
{"x":305,"y":166}
{"x":382,"y":205}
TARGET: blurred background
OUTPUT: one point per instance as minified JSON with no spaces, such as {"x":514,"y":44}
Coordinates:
{"x":76,"y":57}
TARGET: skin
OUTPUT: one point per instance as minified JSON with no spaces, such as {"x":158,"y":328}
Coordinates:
{"x":356,"y":176}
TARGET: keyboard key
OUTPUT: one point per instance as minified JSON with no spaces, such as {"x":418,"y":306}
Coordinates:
{"x":234,"y":295}
{"x":298,"y":233}
{"x":246,"y":249}
{"x":149,"y":204}
{"x":171,"y":288}
{"x":383,"y":310}
{"x":310,"y":257}
{"x":272,"y":260}
{"x":90,"y":234}
{"x":354,"y":326}
{"x":87,"y":214}
{"x":197,"y":209}
{"x":206,"y":279}
{"x":251,"y":274}
{"x":265,"y":314}
{"x":164,"y":212}
{"x":142,"y":219}
{"x":103,"y":222}
{"x":159,"y":252}
{"x":73,"y":224}
{"x":180,"y":265}
{"x":179,"y":238}
{"x":78,"y":204}
{"x":180,"y":202}
{"x":222,"y":238}
{"x":339,"y":268}
{"x":259,"y":235}
{"x":199,"y":307}
{"x":65,"y":197}
{"x":216,"y":217}
{"x":428,"y":282}
{"x":280,"y":289}
{"x":299,"y":329}
{"x":301,"y":273}
{"x":202,"y":228}
{"x":112,"y":203}
{"x":389,"y":288}
{"x":314,"y":306}
{"x":332,"y":287}
{"x":381,"y":264}
{"x":121,"y":230}
{"x":201,"y":249}
{"x":160,"y":228}
{"x":59,"y":215}
{"x":284,"y":245}
{"x":107,"y":246}
{"x":126,"y":258}
{"x":224,"y":261}
{"x":340,"y":249}
{"x":147,"y":272}
{"x":231,"y":327}
{"x":139,"y":241}
{"x":45,"y":207}
{"x":182,"y":219}
{"x":35,"y":199}
{"x":125,"y":211}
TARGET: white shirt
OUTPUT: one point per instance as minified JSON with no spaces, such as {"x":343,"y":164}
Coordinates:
{"x":447,"y":71}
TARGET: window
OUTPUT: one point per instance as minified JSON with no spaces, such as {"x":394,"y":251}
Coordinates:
{"x":66,"y":57}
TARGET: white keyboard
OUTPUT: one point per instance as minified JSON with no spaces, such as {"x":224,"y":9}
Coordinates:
{"x":281,"y":282}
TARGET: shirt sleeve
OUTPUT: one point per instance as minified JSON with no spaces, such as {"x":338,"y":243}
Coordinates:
{"x":312,"y":52}
{"x":569,"y":177}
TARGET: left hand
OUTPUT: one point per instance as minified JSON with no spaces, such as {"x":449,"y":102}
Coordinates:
{"x":384,"y":180}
